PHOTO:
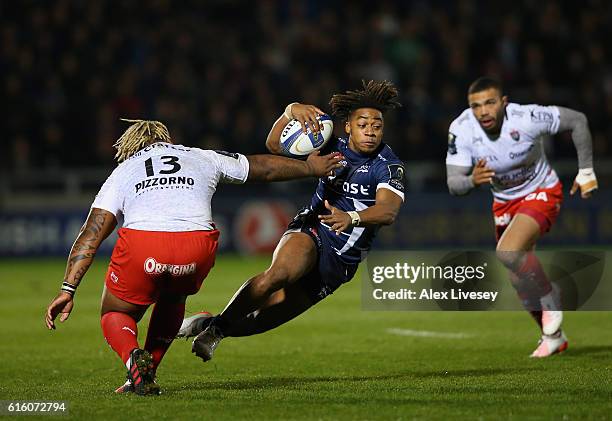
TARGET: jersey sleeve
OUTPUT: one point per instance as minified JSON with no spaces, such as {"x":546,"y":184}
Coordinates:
{"x":233,"y":167}
{"x":544,"y":119}
{"x":110,"y":197}
{"x":458,"y":152}
{"x":391,"y":175}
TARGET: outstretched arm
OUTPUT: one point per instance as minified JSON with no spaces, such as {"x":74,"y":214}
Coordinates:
{"x":99,"y":225}
{"x":278,"y":168}
{"x":304,"y":113}
{"x":577,"y":123}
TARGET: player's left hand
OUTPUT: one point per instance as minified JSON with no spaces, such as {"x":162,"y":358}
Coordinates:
{"x":307,"y":116}
{"x":586,"y":181}
{"x":337,"y":220}
{"x":62,"y":304}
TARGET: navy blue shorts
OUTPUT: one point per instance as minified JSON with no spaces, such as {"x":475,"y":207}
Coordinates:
{"x":330,"y":271}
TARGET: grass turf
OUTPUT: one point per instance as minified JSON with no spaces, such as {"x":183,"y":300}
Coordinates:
{"x":334,"y":362}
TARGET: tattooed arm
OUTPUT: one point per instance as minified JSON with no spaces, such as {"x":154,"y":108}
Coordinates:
{"x":99,"y":225}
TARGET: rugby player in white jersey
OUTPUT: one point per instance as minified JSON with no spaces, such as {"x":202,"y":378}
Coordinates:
{"x":168,"y":240}
{"x":498,"y":143}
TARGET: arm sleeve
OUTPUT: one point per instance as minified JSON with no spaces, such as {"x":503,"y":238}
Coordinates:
{"x":233,"y":167}
{"x":458,"y":152}
{"x":577,"y":123}
{"x":110,"y":197}
{"x":459,"y":179}
{"x":391,"y":176}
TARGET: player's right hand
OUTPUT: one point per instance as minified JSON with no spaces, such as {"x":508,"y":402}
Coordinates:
{"x":307,"y":115}
{"x":321,"y":166}
{"x":481,"y":173}
{"x":62,"y":304}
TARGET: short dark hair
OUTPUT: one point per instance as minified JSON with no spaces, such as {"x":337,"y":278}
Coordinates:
{"x":483,"y":83}
{"x":380,"y":95}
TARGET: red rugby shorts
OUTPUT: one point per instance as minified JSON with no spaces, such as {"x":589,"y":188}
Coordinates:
{"x":543,"y":205}
{"x":145,"y":264}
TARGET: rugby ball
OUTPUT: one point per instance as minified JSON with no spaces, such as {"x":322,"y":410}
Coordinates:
{"x":297,"y":144}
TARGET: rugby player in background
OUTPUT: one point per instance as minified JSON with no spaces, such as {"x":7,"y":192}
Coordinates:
{"x":168,"y":241}
{"x":499,"y":143}
{"x":327,"y":240}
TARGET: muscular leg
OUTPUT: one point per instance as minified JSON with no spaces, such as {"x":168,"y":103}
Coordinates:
{"x":165,"y":322}
{"x":118,"y":321}
{"x":515,"y":251}
{"x":293,"y":258}
{"x":282,"y":306}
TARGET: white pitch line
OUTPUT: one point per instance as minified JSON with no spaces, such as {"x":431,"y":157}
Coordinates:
{"x":428,"y":334}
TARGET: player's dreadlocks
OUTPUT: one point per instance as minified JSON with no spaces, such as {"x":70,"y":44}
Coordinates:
{"x":139,"y":135}
{"x":379,"y":95}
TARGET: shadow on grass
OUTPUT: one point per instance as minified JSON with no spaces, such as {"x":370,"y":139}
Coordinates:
{"x":295,"y":382}
{"x":594,"y":351}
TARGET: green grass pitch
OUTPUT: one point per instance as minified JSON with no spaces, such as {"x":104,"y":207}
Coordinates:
{"x":334,"y":362}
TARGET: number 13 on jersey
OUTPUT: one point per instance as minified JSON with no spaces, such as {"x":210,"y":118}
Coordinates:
{"x":170,"y":161}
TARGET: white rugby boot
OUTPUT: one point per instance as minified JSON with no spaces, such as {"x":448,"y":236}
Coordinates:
{"x":550,"y":345}
{"x":193,"y":325}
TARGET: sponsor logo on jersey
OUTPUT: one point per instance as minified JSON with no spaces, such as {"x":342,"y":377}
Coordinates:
{"x":355,"y":188}
{"x":152,"y":266}
{"x":452,"y":148}
{"x":114,"y":278}
{"x":541,"y":116}
{"x":158,"y":145}
{"x":514,"y":155}
{"x":363,"y":168}
{"x":164,"y":181}
{"x":516,"y":177}
{"x":517,"y":113}
{"x":476,"y":140}
{"x":396,"y":176}
{"x":488,"y":158}
{"x":515,"y":135}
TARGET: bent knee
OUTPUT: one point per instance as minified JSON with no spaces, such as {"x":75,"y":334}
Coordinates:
{"x":272,"y":279}
{"x":510,"y":259}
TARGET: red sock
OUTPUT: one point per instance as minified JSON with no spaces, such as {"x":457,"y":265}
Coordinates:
{"x":532,"y":273}
{"x":121,"y":333}
{"x":165,"y":323}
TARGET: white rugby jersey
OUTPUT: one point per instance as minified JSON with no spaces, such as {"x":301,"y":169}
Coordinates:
{"x":166,"y":187}
{"x":517,"y":155}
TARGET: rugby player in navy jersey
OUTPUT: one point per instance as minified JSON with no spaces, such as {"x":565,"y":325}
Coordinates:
{"x":327,"y":240}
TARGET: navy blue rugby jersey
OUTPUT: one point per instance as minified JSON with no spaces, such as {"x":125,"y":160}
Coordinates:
{"x":353,"y":188}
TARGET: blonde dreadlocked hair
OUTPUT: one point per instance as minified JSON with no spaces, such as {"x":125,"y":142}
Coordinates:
{"x":139,"y":135}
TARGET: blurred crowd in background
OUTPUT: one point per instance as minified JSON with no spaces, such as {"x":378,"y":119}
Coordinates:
{"x":219,"y":73}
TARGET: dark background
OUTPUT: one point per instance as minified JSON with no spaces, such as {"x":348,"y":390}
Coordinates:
{"x":218,"y":73}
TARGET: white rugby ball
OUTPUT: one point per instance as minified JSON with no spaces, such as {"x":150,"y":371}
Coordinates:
{"x":297,"y":144}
